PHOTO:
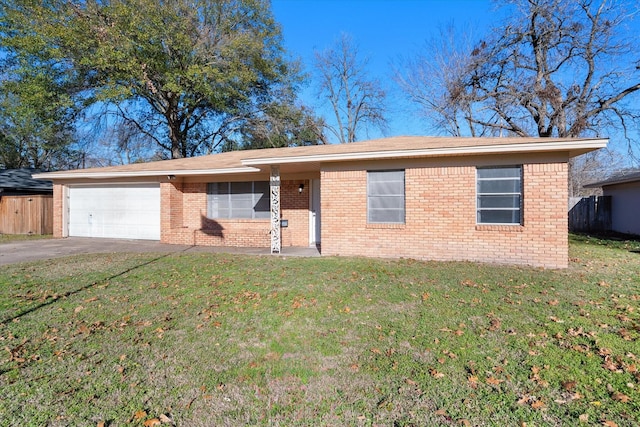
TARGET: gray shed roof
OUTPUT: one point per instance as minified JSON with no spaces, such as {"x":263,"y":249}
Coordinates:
{"x":628,"y":175}
{"x":21,"y":180}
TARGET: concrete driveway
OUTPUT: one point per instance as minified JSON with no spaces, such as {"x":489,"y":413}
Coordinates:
{"x":34,"y":250}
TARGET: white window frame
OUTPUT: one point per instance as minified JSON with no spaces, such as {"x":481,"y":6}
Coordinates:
{"x":255,"y":198}
{"x":371,"y":197}
{"x":519,"y":209}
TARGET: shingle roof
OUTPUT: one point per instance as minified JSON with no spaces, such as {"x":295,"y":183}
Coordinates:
{"x":630,"y":175}
{"x":21,"y":180}
{"x":385,"y":148}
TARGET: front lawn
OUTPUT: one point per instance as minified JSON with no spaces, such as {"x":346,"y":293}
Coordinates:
{"x":210,"y":339}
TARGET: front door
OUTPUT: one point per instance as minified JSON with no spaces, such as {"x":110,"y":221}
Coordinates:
{"x":314,"y":213}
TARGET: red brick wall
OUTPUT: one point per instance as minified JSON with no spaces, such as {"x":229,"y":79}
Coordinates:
{"x":58,"y":210}
{"x":184,"y":218}
{"x":441,"y":218}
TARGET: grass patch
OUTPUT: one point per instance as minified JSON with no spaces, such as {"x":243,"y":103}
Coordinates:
{"x":9,"y":238}
{"x":214,"y":339}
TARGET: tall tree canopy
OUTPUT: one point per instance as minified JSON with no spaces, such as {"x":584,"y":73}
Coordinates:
{"x":555,"y":68}
{"x":356,"y":100}
{"x":188,"y":74}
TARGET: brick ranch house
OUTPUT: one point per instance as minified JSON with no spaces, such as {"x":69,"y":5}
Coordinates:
{"x":496,"y":200}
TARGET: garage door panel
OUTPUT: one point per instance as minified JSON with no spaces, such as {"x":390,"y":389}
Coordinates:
{"x":115,"y":211}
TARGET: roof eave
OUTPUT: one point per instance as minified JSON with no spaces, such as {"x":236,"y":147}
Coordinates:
{"x":142,"y":174}
{"x":574,"y":148}
{"x":609,"y":183}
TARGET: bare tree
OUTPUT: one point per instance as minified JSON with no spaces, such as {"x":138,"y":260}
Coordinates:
{"x":356,"y":100}
{"x":556,"y":68}
{"x":432,"y":80}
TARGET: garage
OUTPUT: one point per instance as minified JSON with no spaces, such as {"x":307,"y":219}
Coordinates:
{"x":121,"y":211}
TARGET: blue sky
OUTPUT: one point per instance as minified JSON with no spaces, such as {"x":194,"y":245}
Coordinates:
{"x":385,"y":31}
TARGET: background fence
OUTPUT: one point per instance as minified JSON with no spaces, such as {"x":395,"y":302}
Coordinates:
{"x":590,"y":214}
{"x":26,"y":214}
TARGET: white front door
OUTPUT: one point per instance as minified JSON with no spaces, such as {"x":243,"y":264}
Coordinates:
{"x":125,"y":211}
{"x":314,"y":213}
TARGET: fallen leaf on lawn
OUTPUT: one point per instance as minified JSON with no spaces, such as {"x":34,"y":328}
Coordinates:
{"x":376,"y":351}
{"x":494,"y":381}
{"x":165,"y":419}
{"x":78,"y":309}
{"x":555,"y":319}
{"x":435,"y":374}
{"x":538,"y":404}
{"x":609,"y":424}
{"x":625,"y":334}
{"x":464,"y":422}
{"x":100,"y":424}
{"x":553,"y":302}
{"x":584,"y":418}
{"x":473,"y":381}
{"x":494,"y":324}
{"x":441,"y":412}
{"x":620,"y":397}
{"x":524,"y":399}
{"x":425,"y":296}
{"x":152,"y":422}
{"x":568,"y":385}
{"x":140,"y":415}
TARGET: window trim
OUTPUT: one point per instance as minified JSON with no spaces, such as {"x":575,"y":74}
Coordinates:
{"x":404,"y":199}
{"x":229,"y":184}
{"x":519,"y":209}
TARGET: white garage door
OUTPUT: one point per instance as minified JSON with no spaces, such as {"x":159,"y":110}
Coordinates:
{"x":125,"y":211}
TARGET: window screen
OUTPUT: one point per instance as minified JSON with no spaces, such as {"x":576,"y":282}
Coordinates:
{"x":385,"y":196}
{"x":236,"y":200}
{"x":499,"y":195}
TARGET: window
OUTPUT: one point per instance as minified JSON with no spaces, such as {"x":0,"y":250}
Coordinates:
{"x":499,"y":195}
{"x":234,"y":200}
{"x":385,"y":196}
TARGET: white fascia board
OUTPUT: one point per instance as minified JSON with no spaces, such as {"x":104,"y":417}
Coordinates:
{"x":131,"y":174}
{"x":429,"y":152}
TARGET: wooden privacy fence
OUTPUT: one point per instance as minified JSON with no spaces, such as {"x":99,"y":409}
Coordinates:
{"x":26,"y":214}
{"x":590,"y":214}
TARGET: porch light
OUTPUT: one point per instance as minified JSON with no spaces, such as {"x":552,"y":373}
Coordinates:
{"x":300,"y":188}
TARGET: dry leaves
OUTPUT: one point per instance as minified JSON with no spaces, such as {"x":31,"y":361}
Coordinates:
{"x":620,"y":397}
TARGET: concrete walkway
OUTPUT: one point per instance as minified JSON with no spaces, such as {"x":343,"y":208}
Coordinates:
{"x":34,"y":250}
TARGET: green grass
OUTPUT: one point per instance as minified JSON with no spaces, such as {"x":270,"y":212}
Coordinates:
{"x":9,"y":238}
{"x":211,"y":339}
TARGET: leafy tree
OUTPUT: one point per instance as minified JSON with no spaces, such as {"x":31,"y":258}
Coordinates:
{"x":188,"y":74}
{"x":283,"y":125}
{"x":35,"y":121}
{"x":356,"y":100}
{"x":555,"y":68}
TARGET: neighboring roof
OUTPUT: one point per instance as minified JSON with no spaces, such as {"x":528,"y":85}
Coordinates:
{"x":311,"y":156}
{"x":21,"y":180}
{"x":630,"y":175}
